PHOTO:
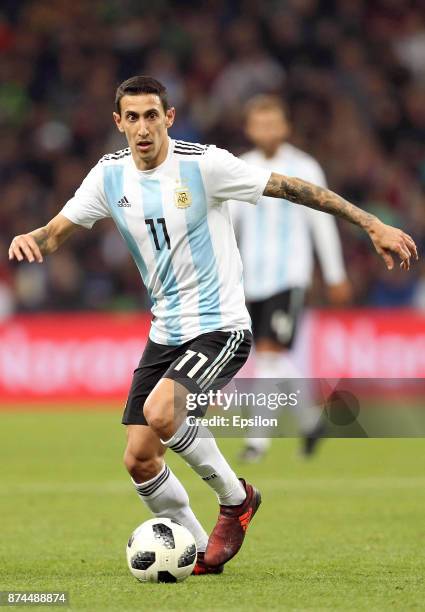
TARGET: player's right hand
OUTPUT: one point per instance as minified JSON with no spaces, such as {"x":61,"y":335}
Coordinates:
{"x":24,"y":247}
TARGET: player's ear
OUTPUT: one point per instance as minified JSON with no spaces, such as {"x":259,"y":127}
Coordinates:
{"x":170,"y":115}
{"x":248,"y":129}
{"x":286,"y":127}
{"x":117,"y":119}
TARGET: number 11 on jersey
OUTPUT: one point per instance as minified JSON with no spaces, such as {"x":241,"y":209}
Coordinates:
{"x":151,"y":224}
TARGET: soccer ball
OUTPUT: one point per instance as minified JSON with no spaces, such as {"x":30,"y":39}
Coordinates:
{"x":161,"y":550}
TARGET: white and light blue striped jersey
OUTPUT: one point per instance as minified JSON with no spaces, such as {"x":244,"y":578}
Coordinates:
{"x":176,"y":222}
{"x":276,"y":237}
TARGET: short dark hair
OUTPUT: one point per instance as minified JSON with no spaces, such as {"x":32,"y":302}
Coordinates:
{"x":141,"y":85}
{"x":265,"y":102}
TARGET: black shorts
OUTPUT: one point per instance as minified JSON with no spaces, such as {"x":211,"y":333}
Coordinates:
{"x":276,"y":318}
{"x":207,"y":362}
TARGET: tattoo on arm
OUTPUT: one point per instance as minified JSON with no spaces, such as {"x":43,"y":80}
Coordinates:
{"x":302,"y":192}
{"x":45,"y":241}
{"x":41,"y":236}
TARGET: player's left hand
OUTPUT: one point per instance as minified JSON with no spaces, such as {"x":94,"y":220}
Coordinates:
{"x":389,"y":241}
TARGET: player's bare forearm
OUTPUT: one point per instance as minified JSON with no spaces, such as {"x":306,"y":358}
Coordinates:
{"x":45,"y":242}
{"x":42,"y":241}
{"x":387,"y":240}
{"x":302,"y":192}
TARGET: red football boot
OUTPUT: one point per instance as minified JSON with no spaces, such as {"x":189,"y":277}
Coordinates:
{"x":229,"y":533}
{"x":202,"y":568}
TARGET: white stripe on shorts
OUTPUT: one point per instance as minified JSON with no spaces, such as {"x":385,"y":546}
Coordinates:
{"x":219,"y":365}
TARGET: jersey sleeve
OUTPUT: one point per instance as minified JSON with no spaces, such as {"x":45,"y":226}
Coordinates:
{"x":227,"y":177}
{"x":89,"y":203}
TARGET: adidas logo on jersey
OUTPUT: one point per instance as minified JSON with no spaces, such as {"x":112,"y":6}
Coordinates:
{"x":124,"y":203}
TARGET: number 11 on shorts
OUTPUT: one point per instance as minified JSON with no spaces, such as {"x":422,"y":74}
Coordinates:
{"x":202,"y":360}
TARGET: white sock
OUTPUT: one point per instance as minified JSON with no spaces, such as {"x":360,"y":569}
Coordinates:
{"x":260,"y":444}
{"x":306,"y":413}
{"x":270,"y":364}
{"x":165,"y":496}
{"x":197,"y":446}
{"x":266,"y":366}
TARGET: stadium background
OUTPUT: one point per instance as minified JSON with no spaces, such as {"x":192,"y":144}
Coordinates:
{"x":352,"y":72}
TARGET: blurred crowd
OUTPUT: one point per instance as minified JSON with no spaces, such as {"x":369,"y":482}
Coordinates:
{"x":352,"y":73}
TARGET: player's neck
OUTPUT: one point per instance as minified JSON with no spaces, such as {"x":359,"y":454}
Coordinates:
{"x":270,"y":153}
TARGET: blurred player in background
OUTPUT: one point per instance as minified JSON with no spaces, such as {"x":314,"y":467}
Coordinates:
{"x":276,"y":245}
{"x":169,"y":200}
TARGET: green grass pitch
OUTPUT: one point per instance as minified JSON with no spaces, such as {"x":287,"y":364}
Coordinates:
{"x":344,"y":531}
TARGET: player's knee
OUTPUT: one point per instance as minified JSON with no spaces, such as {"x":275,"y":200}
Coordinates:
{"x":159,"y":415}
{"x":140,"y":467}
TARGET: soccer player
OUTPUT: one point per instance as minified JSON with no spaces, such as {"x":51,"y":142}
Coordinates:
{"x":168,"y":199}
{"x":276,"y":245}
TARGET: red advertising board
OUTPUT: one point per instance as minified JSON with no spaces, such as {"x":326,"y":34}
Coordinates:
{"x":92,"y":356}
{"x":367,"y":344}
{"x":70,"y":356}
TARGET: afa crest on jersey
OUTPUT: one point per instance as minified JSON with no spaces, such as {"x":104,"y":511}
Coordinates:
{"x":182,"y":197}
